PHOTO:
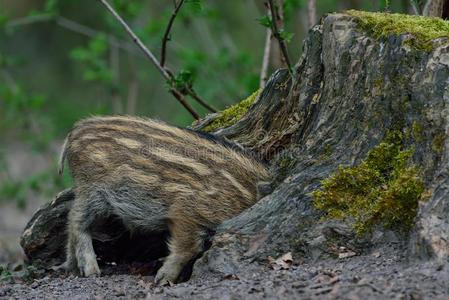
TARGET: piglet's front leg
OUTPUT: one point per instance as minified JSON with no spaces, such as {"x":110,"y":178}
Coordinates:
{"x":185,"y":244}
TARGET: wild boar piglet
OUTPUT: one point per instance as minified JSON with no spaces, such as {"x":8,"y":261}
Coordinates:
{"x":153,"y":177}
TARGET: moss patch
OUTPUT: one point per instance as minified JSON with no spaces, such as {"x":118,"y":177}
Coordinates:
{"x":383,"y":189}
{"x":424,"y":29}
{"x":438,"y":143}
{"x":232,"y":114}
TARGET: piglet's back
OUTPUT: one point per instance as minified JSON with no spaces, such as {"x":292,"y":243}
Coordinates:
{"x":162,"y":159}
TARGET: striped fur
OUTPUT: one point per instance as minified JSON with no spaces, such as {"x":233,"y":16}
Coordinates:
{"x":154,"y":177}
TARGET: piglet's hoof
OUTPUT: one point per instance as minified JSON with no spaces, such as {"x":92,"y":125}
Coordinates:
{"x":165,"y":277}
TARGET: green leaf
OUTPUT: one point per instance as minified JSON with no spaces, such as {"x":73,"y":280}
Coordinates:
{"x":291,"y":5}
{"x":36,"y":101}
{"x":79,"y":54}
{"x":184,"y":79}
{"x":195,"y":5}
{"x":286,"y":36}
{"x":3,"y":20}
{"x":51,"y":7}
{"x":265,"y":21}
{"x":98,"y":45}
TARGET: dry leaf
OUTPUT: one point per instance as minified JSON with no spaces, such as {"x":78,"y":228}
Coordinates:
{"x":231,"y":277}
{"x":282,"y":263}
{"x":347,"y":254}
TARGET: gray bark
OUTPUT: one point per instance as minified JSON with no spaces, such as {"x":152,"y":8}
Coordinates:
{"x":348,"y":91}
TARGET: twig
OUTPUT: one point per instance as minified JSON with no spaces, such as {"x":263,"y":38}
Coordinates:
{"x":74,"y":27}
{"x":136,"y":40}
{"x":189,"y":91}
{"x":29,"y":20}
{"x":277,"y":35}
{"x":266,"y":55}
{"x":177,"y":94}
{"x":166,"y":37}
{"x":89,"y":32}
{"x":200,"y":100}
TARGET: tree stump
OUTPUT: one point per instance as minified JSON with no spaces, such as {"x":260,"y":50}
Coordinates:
{"x":348,"y":90}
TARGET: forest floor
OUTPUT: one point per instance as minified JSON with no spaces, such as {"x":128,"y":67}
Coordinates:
{"x":381,"y":275}
{"x":384,"y":274}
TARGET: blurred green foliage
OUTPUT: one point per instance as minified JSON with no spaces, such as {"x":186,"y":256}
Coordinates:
{"x":64,"y":60}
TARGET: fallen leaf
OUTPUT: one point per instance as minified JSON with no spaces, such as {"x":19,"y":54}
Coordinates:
{"x":347,"y":254}
{"x":282,"y":263}
{"x":376,"y":254}
{"x":231,"y":277}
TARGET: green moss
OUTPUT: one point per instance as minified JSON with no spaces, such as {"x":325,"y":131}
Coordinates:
{"x":383,"y":189}
{"x":417,"y":131}
{"x":378,"y":83}
{"x":232,"y":114}
{"x":438,"y":143}
{"x":423,"y":29}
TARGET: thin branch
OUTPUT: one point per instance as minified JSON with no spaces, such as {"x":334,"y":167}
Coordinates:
{"x":29,"y":20}
{"x":166,"y":37}
{"x":200,"y":100}
{"x":189,"y":91}
{"x":177,"y":94}
{"x":136,"y":40}
{"x":277,"y":35}
{"x":180,"y":97}
{"x":89,"y":32}
{"x":266,"y":55}
{"x":74,"y":27}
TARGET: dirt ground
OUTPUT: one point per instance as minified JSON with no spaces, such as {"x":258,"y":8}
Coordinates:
{"x":384,"y":274}
{"x":376,"y":276}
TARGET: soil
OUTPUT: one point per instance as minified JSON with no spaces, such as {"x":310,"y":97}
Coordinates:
{"x":381,"y":275}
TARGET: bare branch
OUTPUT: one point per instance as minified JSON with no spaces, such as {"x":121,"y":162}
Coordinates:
{"x":266,"y":55}
{"x":74,"y":27}
{"x":200,"y":100}
{"x":180,"y":97}
{"x":177,"y":94}
{"x":166,"y":37}
{"x":29,"y":20}
{"x":136,"y":40}
{"x":89,"y":32}
{"x":277,"y":35}
{"x":165,"y":40}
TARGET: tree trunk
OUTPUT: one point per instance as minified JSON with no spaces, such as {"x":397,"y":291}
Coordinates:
{"x":434,"y":8}
{"x":348,"y":91}
{"x":311,"y":12}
